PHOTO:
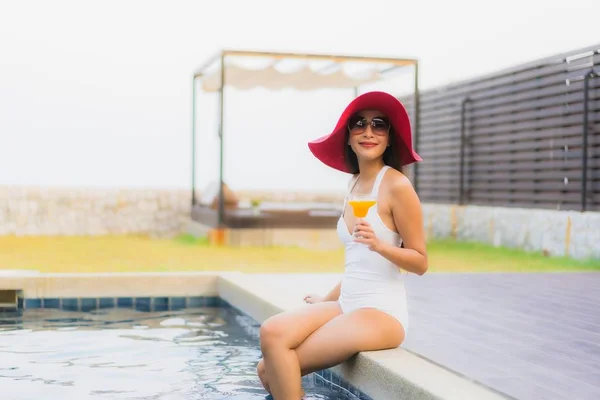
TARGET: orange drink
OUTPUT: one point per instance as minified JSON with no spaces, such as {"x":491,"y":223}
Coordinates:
{"x":361,"y":207}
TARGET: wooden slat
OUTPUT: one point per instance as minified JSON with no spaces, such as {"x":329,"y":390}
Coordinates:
{"x":550,"y":122}
{"x":527,"y":135}
{"x":434,"y":165}
{"x":449,"y":151}
{"x":528,"y":165}
{"x":442,"y":184}
{"x":451,"y":119}
{"x":570,"y":134}
{"x":552,"y":186}
{"x":450,"y":136}
{"x":502,"y":176}
{"x":573,"y":175}
{"x":542,"y":204}
{"x":572,"y":143}
{"x":525,"y":196}
{"x":433,"y":196}
{"x":522,"y":116}
{"x":508,"y":157}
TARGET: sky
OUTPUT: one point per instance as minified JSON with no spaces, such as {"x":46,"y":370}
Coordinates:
{"x":98,"y":94}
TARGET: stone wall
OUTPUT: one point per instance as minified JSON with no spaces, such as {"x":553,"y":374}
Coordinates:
{"x":26,"y":211}
{"x":557,"y":233}
{"x":34,"y":211}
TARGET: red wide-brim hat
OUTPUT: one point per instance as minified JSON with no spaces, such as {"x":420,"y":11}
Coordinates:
{"x":330,"y":148}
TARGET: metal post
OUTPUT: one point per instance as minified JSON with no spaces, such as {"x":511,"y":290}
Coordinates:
{"x":193,"y":141}
{"x":221,"y":112}
{"x":416,"y":124}
{"x":584,"y":150}
{"x":463,"y":142}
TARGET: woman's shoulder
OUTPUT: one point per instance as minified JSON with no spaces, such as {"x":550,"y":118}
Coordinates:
{"x":397,"y":183}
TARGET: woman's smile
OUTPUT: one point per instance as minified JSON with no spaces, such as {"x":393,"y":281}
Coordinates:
{"x":367,"y":144}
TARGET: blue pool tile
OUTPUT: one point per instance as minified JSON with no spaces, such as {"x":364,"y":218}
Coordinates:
{"x":225,"y":304}
{"x":344,"y":384}
{"x":331,"y":386}
{"x":88,"y":304}
{"x":70,"y":304}
{"x":326,"y":378}
{"x":142,"y":303}
{"x":213,"y":301}
{"x":306,"y":380}
{"x":196,"y":301}
{"x":335,"y":379}
{"x":51,"y":303}
{"x":161,"y":303}
{"x":177,"y":303}
{"x":33,"y":303}
{"x":106,"y":302}
{"x":353,"y":391}
{"x":126,"y":302}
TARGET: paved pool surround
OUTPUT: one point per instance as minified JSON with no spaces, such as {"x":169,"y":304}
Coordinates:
{"x":388,"y":374}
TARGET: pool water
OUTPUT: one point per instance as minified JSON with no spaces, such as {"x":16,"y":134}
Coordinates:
{"x":196,"y":353}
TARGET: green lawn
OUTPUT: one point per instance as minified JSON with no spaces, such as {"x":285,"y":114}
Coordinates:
{"x":142,"y":254}
{"x":449,"y":255}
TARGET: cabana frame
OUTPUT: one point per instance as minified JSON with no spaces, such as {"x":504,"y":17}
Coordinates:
{"x":334,"y":81}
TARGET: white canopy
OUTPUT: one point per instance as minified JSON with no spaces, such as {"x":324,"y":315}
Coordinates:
{"x":271,"y":78}
{"x":308,"y":73}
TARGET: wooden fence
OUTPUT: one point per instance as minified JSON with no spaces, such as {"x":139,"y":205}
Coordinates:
{"x":524,"y":137}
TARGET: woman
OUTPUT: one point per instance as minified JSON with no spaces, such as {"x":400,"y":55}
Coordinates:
{"x":367,"y":310}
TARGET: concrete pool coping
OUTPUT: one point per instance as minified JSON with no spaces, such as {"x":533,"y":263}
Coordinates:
{"x":396,"y":373}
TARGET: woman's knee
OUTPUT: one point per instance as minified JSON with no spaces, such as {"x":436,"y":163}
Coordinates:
{"x":272,"y":332}
{"x":289,"y":328}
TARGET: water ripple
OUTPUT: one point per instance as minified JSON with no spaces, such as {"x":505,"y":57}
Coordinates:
{"x":207,"y":353}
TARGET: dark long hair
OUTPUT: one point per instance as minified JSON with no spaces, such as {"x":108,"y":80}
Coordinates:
{"x":391,"y":155}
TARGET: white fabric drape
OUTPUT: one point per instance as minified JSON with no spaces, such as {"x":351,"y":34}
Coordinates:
{"x":271,"y":78}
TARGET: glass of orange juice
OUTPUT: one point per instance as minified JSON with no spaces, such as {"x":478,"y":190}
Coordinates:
{"x":361,"y":203}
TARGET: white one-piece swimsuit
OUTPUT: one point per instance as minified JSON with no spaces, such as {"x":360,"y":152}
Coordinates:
{"x":370,"y":280}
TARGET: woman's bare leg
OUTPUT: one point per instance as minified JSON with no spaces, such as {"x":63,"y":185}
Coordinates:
{"x":262,"y":375}
{"x":280,"y":335}
{"x":331,"y":344}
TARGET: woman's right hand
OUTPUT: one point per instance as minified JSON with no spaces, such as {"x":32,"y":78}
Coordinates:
{"x":313,"y":298}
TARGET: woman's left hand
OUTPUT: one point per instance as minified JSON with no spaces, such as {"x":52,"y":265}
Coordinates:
{"x":363,"y":233}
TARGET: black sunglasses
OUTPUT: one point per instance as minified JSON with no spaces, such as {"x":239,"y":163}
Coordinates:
{"x":358,"y":124}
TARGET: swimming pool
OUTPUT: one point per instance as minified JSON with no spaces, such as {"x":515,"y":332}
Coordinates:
{"x":127,"y":353}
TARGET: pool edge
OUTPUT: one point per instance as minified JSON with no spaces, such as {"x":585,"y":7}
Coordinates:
{"x":380,"y":374}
